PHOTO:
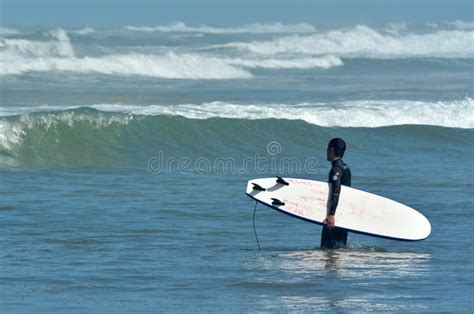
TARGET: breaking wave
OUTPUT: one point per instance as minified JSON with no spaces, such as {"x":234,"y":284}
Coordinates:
{"x":8,"y":31}
{"x":364,"y":113}
{"x":250,"y":28}
{"x":365,"y":42}
{"x":115,"y":134}
{"x":461,"y":24}
{"x":170,"y":66}
{"x":56,"y":44}
{"x":358,"y":113}
{"x":84,"y":31}
{"x":324,"y":62}
{"x":54,"y":52}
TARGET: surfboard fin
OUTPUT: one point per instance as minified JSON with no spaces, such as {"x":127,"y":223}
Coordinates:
{"x":281,"y":181}
{"x":257,"y":187}
{"x":277,"y":202}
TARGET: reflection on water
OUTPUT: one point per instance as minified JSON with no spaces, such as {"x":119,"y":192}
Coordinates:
{"x":345,"y":279}
{"x":371,"y":302}
{"x":348,"y":264}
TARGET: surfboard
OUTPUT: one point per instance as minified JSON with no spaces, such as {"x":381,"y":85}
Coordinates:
{"x":357,"y":211}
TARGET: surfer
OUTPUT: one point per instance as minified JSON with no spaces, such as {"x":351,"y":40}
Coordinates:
{"x":340,"y":174}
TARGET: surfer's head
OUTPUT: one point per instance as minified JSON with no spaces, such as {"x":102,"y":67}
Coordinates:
{"x":336,"y":149}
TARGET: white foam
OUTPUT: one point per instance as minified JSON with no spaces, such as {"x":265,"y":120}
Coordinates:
{"x":361,"y":113}
{"x":57,"y":54}
{"x":8,"y":31}
{"x":57,"y":45}
{"x":10,"y":135}
{"x":292,"y":63}
{"x":363,"y":41}
{"x":317,"y":50}
{"x":432,"y":25}
{"x":83,"y":31}
{"x":13,"y":132}
{"x":365,"y":113}
{"x":14,"y":111}
{"x":249,"y":28}
{"x":462,"y":24}
{"x":396,"y":28}
{"x":170,"y":66}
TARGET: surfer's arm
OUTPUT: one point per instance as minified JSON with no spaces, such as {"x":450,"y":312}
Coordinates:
{"x":335,"y":181}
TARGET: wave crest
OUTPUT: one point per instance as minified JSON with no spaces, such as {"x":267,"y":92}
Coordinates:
{"x":58,"y":137}
{"x":325,"y":50}
{"x":170,"y":66}
{"x":249,"y":28}
{"x":357,"y":113}
{"x":110,"y":134}
{"x":324,"y":62}
{"x":364,"y":42}
{"x":8,"y":31}
{"x":57,"y":45}
{"x":84,"y":31}
{"x":363,"y":113}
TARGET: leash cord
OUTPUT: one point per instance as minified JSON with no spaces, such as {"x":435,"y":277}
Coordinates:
{"x":255,"y":230}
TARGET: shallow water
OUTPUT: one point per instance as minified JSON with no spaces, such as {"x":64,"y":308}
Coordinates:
{"x":121,"y":238}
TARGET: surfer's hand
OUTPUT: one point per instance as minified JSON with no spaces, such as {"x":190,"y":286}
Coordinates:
{"x":330,"y":221}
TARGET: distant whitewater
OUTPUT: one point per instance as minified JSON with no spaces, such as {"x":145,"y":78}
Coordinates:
{"x":249,"y":28}
{"x":267,"y":46}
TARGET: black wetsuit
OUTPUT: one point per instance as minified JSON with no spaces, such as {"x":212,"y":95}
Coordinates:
{"x":340,"y":174}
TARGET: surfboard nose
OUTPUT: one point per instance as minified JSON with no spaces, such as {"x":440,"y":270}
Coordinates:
{"x":426,"y":228}
{"x":420,"y":228}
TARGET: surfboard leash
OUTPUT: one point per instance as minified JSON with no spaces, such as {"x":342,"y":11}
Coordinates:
{"x":254,"y":229}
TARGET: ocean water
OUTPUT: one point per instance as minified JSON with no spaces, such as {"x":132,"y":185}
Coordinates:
{"x":125,"y":152}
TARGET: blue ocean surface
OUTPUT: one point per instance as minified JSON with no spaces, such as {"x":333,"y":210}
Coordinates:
{"x":125,"y":154}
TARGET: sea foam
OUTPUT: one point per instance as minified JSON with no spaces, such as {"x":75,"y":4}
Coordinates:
{"x":360,"y":113}
{"x":56,"y":44}
{"x":170,"y":66}
{"x":249,"y":28}
{"x":357,"y":113}
{"x":55,"y":52}
{"x":365,"y":42}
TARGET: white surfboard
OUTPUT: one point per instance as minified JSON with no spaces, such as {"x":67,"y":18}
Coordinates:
{"x":357,"y":211}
